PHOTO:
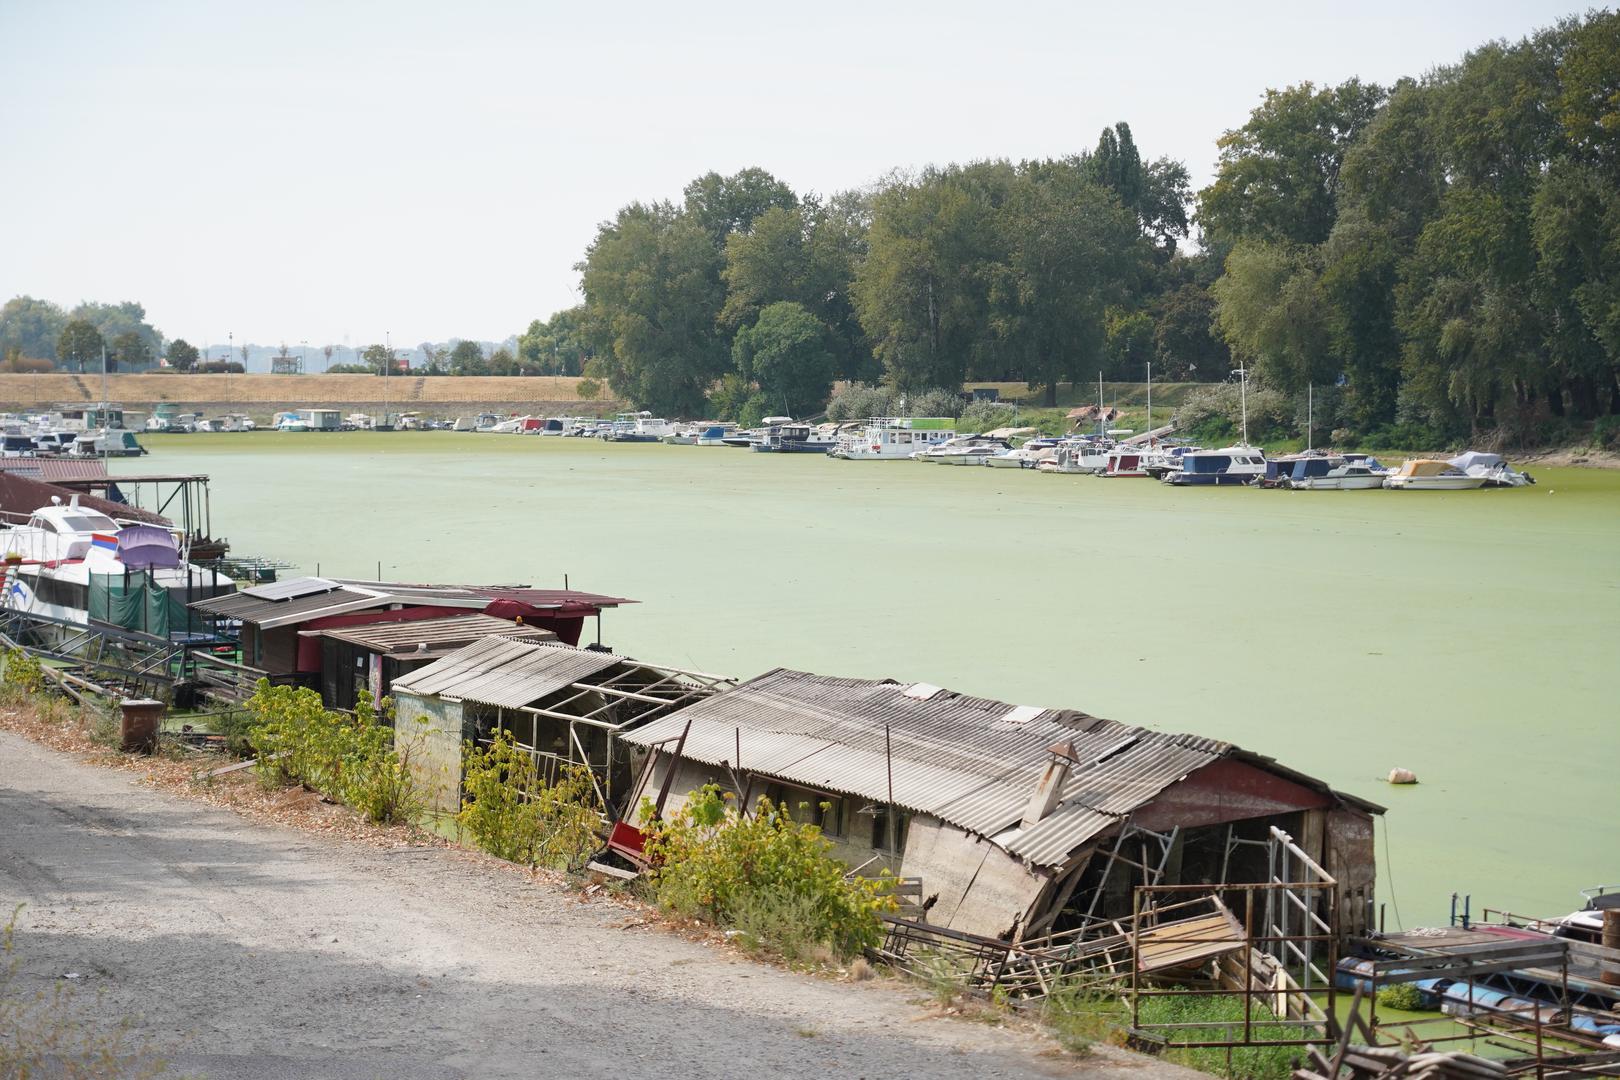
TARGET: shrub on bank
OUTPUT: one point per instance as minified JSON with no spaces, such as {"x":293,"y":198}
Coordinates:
{"x":764,"y":874}
{"x":357,"y":760}
{"x":513,"y":814}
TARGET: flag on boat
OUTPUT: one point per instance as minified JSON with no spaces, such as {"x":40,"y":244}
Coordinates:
{"x":102,"y":540}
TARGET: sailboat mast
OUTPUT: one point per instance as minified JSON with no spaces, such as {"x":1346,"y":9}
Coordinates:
{"x":1243,"y":393}
{"x":1310,"y":414}
{"x":1150,"y":395}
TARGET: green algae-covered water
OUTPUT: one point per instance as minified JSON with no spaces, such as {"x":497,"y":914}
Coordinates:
{"x":1473,"y":637}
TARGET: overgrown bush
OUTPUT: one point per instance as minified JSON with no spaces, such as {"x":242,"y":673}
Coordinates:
{"x":764,"y":874}
{"x":357,"y":760}
{"x":23,"y":676}
{"x":1214,"y":414}
{"x":1222,"y":1018}
{"x":982,"y":416}
{"x":859,"y":401}
{"x":513,"y":814}
{"x":1079,"y":1016}
{"x":1606,"y":433}
{"x":1403,"y":996}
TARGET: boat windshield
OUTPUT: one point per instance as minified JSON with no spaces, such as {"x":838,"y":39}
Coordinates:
{"x":87,"y":522}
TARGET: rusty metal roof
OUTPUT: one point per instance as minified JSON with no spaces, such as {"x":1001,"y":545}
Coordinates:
{"x":506,"y":673}
{"x":432,"y":637}
{"x":54,"y":470}
{"x":523,"y":594}
{"x":971,"y":762}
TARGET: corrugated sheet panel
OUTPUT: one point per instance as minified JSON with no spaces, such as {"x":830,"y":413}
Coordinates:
{"x":505,"y":673}
{"x":256,"y":610}
{"x":954,"y":757}
{"x":455,"y":631}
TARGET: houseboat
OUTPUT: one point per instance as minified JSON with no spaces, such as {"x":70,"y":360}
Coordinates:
{"x":794,"y":439}
{"x":1226,"y":466}
{"x":895,"y":437}
{"x":1126,"y":461}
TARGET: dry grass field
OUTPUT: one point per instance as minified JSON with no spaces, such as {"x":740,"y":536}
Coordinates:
{"x":267,"y":393}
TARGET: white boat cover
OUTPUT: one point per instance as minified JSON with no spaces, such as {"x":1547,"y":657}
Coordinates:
{"x":1471,"y":458}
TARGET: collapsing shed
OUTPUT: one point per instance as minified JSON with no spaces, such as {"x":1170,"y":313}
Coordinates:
{"x":1015,"y":819}
{"x":562,"y":705}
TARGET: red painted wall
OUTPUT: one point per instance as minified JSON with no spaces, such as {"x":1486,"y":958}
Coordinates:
{"x":1224,"y":791}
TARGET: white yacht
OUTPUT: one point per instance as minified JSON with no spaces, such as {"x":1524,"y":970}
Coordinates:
{"x":1353,"y":472}
{"x":895,"y":437}
{"x":1080,"y":456}
{"x":64,"y":544}
{"x":962,"y":450}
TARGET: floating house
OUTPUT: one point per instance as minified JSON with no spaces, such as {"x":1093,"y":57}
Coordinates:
{"x":1015,"y":819}
{"x":562,"y":705}
{"x":279,"y":624}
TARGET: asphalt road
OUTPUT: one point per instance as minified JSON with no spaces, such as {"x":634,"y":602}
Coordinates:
{"x":244,"y":951}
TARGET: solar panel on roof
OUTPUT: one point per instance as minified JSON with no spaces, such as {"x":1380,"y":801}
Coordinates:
{"x":291,"y":590}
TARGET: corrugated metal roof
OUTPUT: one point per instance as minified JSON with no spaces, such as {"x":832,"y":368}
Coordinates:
{"x":539,"y":598}
{"x":440,"y":636}
{"x":505,"y":673}
{"x":968,"y":761}
{"x":272,"y":613}
{"x":56,"y":469}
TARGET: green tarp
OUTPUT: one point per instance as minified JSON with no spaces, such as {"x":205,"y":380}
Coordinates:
{"x":135,"y":602}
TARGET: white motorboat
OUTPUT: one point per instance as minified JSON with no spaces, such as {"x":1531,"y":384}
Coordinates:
{"x":1077,"y":457}
{"x":962,"y":450}
{"x":1218,"y":468}
{"x":1497,"y":472}
{"x":715,"y":434}
{"x":1348,"y":473}
{"x":637,"y":427}
{"x":1128,"y":461}
{"x":64,"y":544}
{"x":895,"y":437}
{"x":1429,"y":474}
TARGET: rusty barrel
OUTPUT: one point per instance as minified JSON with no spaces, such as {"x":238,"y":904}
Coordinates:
{"x":139,"y":721}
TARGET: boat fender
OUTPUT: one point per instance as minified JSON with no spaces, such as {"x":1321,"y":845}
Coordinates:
{"x":1402,"y":776}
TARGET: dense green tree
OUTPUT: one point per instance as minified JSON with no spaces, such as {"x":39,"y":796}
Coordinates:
{"x":379,"y":359}
{"x":182,"y":355}
{"x":467,"y":358}
{"x":1274,"y":316}
{"x":115,"y":320}
{"x":79,"y":346}
{"x":921,"y":292}
{"x":1127,"y":344}
{"x":653,"y":295}
{"x":1072,"y":251}
{"x":31,"y":326}
{"x":1185,"y":343}
{"x":1589,"y":96}
{"x":1157,"y":192}
{"x":785,"y":354}
{"x":128,"y":352}
{"x":1279,"y":174}
{"x":558,"y":346}
{"x":722,"y":205}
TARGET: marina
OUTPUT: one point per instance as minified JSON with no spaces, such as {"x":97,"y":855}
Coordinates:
{"x":1111,"y":583}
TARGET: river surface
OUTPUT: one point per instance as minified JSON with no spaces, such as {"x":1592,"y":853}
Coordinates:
{"x":1473,"y":637}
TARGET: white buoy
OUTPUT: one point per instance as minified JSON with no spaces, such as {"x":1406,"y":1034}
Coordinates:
{"x":1402,"y":776}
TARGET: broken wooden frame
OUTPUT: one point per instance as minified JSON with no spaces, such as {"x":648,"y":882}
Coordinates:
{"x":631,"y":693}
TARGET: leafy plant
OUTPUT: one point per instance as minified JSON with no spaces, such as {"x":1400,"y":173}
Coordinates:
{"x":1221,"y":1017}
{"x":23,"y":676}
{"x":765,"y":874}
{"x":357,"y":760}
{"x":1403,"y":996}
{"x":513,"y":814}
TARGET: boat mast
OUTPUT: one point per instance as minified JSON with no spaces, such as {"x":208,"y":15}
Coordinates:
{"x":1243,"y":394}
{"x":1310,"y":413}
{"x":1150,"y":395}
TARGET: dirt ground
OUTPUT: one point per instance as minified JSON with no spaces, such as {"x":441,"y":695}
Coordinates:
{"x":242,"y":949}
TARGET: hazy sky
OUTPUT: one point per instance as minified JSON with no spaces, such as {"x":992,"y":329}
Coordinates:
{"x":331,"y":171}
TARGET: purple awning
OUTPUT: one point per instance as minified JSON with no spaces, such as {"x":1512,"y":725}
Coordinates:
{"x":147,"y":547}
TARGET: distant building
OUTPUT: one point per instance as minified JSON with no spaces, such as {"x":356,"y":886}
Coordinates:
{"x":286,"y":365}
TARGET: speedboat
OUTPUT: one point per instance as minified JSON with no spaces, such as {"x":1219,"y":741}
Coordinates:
{"x":714,"y":434}
{"x":1497,"y":473}
{"x":1226,"y":466}
{"x":1351,"y":472}
{"x":1028,"y":456}
{"x":1083,"y":457}
{"x":1166,"y":459}
{"x":962,"y":450}
{"x":1430,"y":474}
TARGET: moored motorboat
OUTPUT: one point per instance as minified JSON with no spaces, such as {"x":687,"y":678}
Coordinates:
{"x":1125,"y":461}
{"x":1028,"y":456}
{"x":895,"y":437}
{"x":1431,"y":474}
{"x":1496,"y":471}
{"x":1352,"y":472}
{"x":1230,"y":465}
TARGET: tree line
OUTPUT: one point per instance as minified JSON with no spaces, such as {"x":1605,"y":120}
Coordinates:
{"x":1442,"y":255}
{"x":33,"y":331}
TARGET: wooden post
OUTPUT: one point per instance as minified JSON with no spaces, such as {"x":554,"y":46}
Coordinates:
{"x":1610,"y":971}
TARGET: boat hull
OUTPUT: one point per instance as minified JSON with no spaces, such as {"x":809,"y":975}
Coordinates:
{"x":1334,"y":483}
{"x":1434,"y":483}
{"x":1179,"y":478}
